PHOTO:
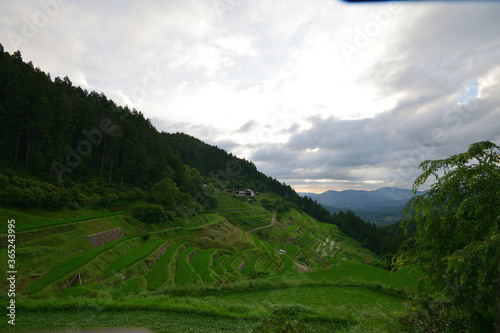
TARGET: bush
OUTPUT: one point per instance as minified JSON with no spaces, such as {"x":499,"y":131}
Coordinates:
{"x":109,"y":198}
{"x":82,"y":199}
{"x":95,"y":199}
{"x":122,"y":196}
{"x":149,"y":213}
{"x":132,"y":195}
{"x":438,"y":315}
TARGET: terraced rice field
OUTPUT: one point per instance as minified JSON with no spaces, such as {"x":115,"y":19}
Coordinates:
{"x":239,"y":212}
{"x":185,"y":273}
{"x":70,"y":265}
{"x":158,"y":274}
{"x":202,"y":264}
{"x":132,"y":257}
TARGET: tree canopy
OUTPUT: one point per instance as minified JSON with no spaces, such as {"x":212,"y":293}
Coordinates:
{"x":456,"y":243}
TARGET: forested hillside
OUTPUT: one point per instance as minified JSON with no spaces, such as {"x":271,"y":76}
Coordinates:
{"x":55,"y":135}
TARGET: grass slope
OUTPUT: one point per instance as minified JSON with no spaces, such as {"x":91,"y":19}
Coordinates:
{"x":197,"y":277}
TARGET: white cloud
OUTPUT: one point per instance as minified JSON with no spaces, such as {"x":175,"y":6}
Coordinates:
{"x":271,"y":81}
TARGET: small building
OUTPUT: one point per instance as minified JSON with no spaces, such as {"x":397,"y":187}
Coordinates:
{"x":245,"y":192}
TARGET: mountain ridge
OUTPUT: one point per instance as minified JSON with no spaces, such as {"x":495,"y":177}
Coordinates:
{"x":363,"y":199}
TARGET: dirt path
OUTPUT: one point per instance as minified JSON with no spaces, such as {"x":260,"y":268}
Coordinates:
{"x":273,"y":219}
{"x":301,"y":268}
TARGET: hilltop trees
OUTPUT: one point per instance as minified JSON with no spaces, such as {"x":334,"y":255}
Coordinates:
{"x":58,"y":131}
{"x":457,"y":244}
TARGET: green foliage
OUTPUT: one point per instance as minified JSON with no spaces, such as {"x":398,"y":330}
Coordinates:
{"x":129,"y":287}
{"x":131,"y":257}
{"x":158,"y":274}
{"x":434,"y":315}
{"x":202,"y":263}
{"x":149,"y":213}
{"x":457,"y":244}
{"x":69,"y":265}
{"x":288,"y":265}
{"x":165,"y":193}
{"x":280,"y":323}
{"x":185,"y":273}
{"x":29,"y":222}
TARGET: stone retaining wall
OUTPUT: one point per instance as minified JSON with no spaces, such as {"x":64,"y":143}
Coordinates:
{"x":105,"y":237}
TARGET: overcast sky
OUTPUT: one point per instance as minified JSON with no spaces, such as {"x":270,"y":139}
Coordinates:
{"x":319,"y":94}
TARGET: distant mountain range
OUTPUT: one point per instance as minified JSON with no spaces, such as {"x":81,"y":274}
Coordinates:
{"x":383,"y":206}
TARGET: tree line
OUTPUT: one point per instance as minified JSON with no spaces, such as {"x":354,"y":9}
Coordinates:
{"x":66,"y":135}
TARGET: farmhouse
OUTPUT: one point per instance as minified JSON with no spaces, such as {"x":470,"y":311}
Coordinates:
{"x":245,"y":192}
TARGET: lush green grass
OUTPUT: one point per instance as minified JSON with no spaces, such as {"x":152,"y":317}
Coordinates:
{"x":292,"y":228}
{"x":250,"y":266}
{"x":228,"y":264}
{"x":303,"y":238}
{"x":356,"y":297}
{"x":291,"y":249}
{"x":354,"y":305}
{"x":324,"y":225}
{"x":158,"y":274}
{"x":70,"y":265}
{"x":129,"y":287}
{"x":288,"y":265}
{"x":307,"y":245}
{"x":25,"y":222}
{"x":356,"y":273}
{"x":219,"y":268}
{"x":202,"y":263}
{"x":239,"y":212}
{"x":160,"y":314}
{"x":185,"y":274}
{"x":131,"y":257}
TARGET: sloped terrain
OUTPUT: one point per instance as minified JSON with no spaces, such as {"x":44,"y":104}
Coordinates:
{"x":236,"y":245}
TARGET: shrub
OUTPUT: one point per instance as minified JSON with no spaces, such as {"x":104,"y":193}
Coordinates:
{"x":123,"y":196}
{"x":109,"y":198}
{"x":149,"y":213}
{"x":95,"y":199}
{"x":82,"y":199}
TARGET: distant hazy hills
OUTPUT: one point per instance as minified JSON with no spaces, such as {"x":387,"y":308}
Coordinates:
{"x":383,"y":206}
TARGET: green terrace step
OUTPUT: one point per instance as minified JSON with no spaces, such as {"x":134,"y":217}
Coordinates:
{"x":70,"y":265}
{"x":158,"y":274}
{"x":131,"y":257}
{"x":185,"y":273}
{"x":202,"y":264}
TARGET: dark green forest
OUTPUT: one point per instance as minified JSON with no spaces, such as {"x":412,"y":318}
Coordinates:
{"x":63,"y":146}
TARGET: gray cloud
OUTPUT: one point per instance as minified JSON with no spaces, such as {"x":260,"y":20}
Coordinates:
{"x":386,"y":149}
{"x":267,"y":79}
{"x":248,"y":126}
